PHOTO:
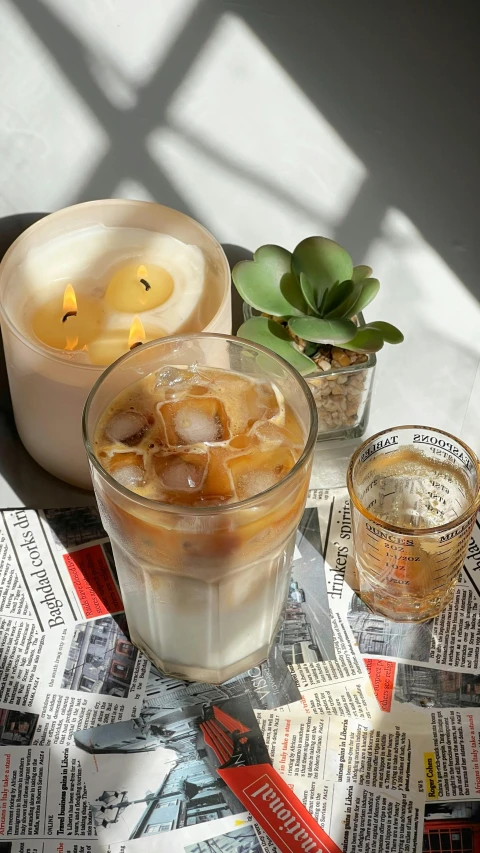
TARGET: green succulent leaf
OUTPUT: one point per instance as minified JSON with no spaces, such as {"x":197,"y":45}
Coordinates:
{"x":361,"y":272}
{"x":321,"y":309}
{"x":390,"y":334}
{"x":322,"y":331}
{"x":308,"y":293}
{"x":345,"y":308}
{"x":370,"y":288}
{"x":272,"y":335}
{"x":323,"y":262}
{"x":366,"y":340}
{"x":267,"y":283}
{"x":336,"y":295}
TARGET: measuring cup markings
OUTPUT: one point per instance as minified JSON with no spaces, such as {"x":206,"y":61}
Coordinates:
{"x":378,"y":445}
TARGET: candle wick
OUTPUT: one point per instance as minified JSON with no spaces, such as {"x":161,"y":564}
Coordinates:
{"x":145,"y":284}
{"x":137,"y":344}
{"x":69,"y":314}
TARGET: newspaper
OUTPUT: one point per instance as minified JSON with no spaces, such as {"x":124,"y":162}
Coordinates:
{"x":359,"y":819}
{"x":338,"y":750}
{"x":373,"y":726}
{"x":68,"y":665}
{"x":412,"y":666}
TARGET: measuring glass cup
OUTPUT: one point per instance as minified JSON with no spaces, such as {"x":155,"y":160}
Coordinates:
{"x":415,"y":494}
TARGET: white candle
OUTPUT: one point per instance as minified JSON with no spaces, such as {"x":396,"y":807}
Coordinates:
{"x":56,"y":349}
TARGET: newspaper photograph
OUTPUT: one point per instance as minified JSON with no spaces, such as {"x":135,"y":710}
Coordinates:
{"x":227,"y":835}
{"x":452,"y":825}
{"x":405,"y":688}
{"x":205,"y":762}
{"x":170,"y":779}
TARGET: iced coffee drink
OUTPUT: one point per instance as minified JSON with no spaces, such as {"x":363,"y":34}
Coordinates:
{"x":201,"y":473}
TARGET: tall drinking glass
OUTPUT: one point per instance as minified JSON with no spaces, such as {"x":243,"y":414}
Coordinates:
{"x":203,"y":586}
{"x":415,"y":495}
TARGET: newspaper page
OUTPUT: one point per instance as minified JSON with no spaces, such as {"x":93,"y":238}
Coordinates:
{"x":41,"y":845}
{"x":42,"y":794}
{"x":69,"y":661}
{"x":69,"y":664}
{"x":333,"y":678}
{"x":339,"y":686}
{"x":75,"y":692}
{"x":159,"y":774}
{"x":360,"y":819}
{"x":337,"y":749}
{"x":411,"y":666}
{"x":447,"y":741}
{"x":235,"y":764}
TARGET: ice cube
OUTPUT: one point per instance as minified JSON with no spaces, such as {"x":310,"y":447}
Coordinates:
{"x":128,"y":469}
{"x":174,"y":383}
{"x":127,"y":427}
{"x":256,"y":472}
{"x":183,"y":472}
{"x":265,"y":431}
{"x":273,"y":434}
{"x":193,"y":426}
{"x":194,"y":421}
{"x":130,"y":476}
{"x":217,"y":487}
{"x":244,"y":442}
{"x":247,"y":401}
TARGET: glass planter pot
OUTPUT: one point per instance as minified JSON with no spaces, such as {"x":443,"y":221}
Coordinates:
{"x":342,"y":394}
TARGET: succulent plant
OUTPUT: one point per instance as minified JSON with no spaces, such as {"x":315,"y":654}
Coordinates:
{"x":309,"y":298}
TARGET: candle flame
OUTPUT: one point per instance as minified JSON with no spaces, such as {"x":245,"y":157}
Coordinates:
{"x":142,"y":272}
{"x":71,"y":344}
{"x":69,"y":300}
{"x":137,"y":334}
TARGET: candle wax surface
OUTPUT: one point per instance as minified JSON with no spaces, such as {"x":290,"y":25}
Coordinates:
{"x":104,"y":266}
{"x":136,"y":288}
{"x":73,"y":332}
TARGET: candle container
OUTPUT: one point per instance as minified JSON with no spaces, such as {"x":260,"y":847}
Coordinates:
{"x":49,"y":385}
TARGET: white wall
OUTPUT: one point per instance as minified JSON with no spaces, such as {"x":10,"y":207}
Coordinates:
{"x":268,"y":121}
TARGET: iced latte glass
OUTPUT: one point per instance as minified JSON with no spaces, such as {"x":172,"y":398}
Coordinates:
{"x":200,"y":450}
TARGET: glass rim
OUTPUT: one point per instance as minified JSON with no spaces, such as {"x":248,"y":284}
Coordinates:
{"x":158,"y":506}
{"x":53,"y":353}
{"x":408,"y":531}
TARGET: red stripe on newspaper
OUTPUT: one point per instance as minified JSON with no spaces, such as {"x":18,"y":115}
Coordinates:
{"x":222,"y":749}
{"x":230,"y":723}
{"x":277,"y":809}
{"x":382,"y":676}
{"x":90,"y":575}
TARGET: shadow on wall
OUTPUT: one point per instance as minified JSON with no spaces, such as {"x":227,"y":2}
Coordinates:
{"x":396,"y":80}
{"x":127,"y":156}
